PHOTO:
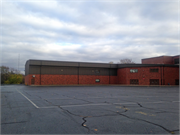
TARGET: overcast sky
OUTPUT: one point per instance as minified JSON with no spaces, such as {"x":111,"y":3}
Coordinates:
{"x":87,"y":31}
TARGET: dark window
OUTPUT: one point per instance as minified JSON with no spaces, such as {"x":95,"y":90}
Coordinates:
{"x":32,"y":81}
{"x":177,"y":82}
{"x":154,"y":70}
{"x":133,"y":70}
{"x":97,"y":80}
{"x":154,"y":81}
{"x":134,"y":81}
{"x":176,"y":61}
{"x":97,"y":71}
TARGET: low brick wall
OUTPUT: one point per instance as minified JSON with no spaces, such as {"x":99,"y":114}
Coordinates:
{"x":166,"y":75}
{"x":69,"y":79}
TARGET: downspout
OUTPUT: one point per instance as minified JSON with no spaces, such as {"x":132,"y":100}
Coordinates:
{"x":109,"y":73}
{"x":162,"y":75}
{"x":40,"y":72}
{"x":78,"y":72}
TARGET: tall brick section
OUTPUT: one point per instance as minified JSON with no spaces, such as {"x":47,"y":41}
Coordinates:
{"x":165,"y":75}
{"x":175,"y":59}
{"x":170,"y":75}
{"x":158,"y":60}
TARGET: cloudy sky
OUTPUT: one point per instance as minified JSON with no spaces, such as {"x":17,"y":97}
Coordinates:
{"x":87,"y":30}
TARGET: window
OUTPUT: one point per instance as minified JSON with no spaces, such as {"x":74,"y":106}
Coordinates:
{"x":176,"y":61}
{"x":96,"y":71}
{"x":154,"y":81}
{"x":154,"y":70}
{"x":97,"y":80}
{"x":133,"y":70}
{"x":134,"y":81}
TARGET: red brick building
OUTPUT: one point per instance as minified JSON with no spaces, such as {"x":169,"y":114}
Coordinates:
{"x":162,"y":60}
{"x":153,"y":71}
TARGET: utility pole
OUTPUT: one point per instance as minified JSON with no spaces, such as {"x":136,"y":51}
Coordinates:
{"x":18,"y":61}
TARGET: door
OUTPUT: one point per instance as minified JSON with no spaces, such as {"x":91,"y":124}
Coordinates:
{"x":177,"y":82}
{"x":32,"y":81}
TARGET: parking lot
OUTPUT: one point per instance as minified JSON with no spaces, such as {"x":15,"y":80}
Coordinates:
{"x":89,"y":109}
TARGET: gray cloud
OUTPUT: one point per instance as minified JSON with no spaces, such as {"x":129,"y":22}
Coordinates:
{"x":99,"y":31}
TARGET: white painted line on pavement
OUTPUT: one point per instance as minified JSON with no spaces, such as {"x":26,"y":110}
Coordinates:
{"x":84,"y":105}
{"x":49,"y":107}
{"x":90,"y":104}
{"x":175,"y":101}
{"x":28,"y":99}
{"x":73,"y":105}
{"x":103,"y":104}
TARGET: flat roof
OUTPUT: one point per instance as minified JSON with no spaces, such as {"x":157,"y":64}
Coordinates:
{"x":90,"y":64}
{"x":160,"y":56}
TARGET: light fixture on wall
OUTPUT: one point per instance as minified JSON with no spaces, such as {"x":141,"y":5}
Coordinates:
{"x":33,"y":75}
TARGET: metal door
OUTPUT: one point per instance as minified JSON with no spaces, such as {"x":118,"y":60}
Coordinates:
{"x":177,"y":82}
{"x":32,"y":81}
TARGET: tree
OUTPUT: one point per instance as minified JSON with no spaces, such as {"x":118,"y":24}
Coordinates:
{"x":14,"y":79}
{"x":111,"y":62}
{"x":10,"y":76}
{"x":126,"y":61}
{"x":4,"y":74}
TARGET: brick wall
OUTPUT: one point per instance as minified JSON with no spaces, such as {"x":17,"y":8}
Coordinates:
{"x":168,"y":60}
{"x":165,"y":75}
{"x":170,"y":75}
{"x":175,"y":57}
{"x":113,"y":80}
{"x":90,"y":79}
{"x":69,"y":79}
{"x":27,"y":80}
{"x":121,"y":73}
{"x":58,"y":79}
{"x":143,"y":75}
{"x":158,"y":60}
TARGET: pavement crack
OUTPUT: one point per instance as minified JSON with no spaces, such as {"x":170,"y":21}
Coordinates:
{"x":169,"y":131}
{"x":175,"y":130}
{"x":13,"y":122}
{"x":46,"y":101}
{"x":161,"y":111}
{"x":83,"y":118}
{"x":77,"y":99}
{"x":83,"y":124}
{"x":27,"y":93}
{"x":139,"y":104}
{"x":69,"y":111}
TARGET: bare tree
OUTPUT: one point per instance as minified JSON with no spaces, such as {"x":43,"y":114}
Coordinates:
{"x":111,"y":62}
{"x":126,"y":61}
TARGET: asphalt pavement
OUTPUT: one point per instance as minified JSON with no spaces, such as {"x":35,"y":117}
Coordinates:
{"x":89,"y":110}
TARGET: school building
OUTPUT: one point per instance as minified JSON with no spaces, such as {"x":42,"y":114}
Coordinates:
{"x":163,"y":70}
